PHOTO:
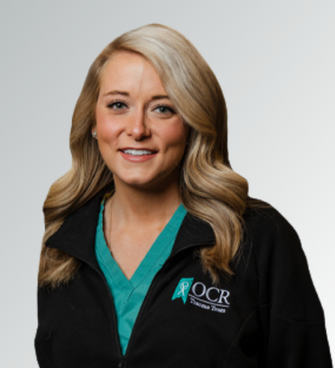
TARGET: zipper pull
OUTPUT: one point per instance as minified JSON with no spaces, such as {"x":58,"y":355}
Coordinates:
{"x":121,"y":363}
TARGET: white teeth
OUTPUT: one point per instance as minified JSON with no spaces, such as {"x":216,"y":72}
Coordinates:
{"x":134,"y":152}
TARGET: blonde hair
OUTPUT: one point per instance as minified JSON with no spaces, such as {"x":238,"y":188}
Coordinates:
{"x":210,"y":189}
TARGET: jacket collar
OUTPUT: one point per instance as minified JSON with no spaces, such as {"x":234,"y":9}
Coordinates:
{"x":76,"y":236}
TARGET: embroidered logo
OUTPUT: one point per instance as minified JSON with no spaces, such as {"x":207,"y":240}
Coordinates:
{"x":209,"y":298}
{"x":183,"y":289}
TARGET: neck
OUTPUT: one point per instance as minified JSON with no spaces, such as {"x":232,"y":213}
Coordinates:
{"x":135,"y":207}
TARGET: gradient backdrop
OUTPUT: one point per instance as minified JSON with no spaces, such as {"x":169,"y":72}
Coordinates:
{"x":275,"y":61}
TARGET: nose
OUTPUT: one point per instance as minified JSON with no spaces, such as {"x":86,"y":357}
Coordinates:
{"x":138,"y":126}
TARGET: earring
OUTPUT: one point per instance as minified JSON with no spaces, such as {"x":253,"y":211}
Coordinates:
{"x":94,"y":134}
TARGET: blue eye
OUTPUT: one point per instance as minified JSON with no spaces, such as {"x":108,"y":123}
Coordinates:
{"x":163,"y":109}
{"x":117,"y":105}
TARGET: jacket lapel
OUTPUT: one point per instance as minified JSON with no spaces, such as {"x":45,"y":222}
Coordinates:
{"x":76,"y":236}
{"x":193,"y":232}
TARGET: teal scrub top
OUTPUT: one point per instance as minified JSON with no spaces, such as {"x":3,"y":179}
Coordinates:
{"x":128,"y":295}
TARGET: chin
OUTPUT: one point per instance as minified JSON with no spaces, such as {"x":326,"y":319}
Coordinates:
{"x":136,"y":182}
{"x":152,"y":184}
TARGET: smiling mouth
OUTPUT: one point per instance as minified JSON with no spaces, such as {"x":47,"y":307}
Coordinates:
{"x":138,"y":152}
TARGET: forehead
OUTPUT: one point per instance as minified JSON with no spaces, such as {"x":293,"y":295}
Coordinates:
{"x":129,"y":70}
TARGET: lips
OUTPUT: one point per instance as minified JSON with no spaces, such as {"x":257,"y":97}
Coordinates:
{"x":137,"y":155}
{"x":137,"y":152}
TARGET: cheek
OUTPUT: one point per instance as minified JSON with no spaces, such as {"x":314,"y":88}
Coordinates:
{"x":175,"y":143}
{"x":106,"y":129}
{"x":176,"y":136}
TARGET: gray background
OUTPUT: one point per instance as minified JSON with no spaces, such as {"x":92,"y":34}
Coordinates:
{"x":275,"y":62}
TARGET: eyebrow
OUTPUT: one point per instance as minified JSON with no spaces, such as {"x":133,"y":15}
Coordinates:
{"x":117,"y":93}
{"x":122,"y":93}
{"x":159,"y":97}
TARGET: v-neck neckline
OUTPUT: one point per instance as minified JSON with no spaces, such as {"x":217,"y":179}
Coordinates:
{"x":150,"y":259}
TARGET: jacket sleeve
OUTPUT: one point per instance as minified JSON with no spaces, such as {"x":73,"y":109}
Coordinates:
{"x":44,"y":360}
{"x":294,"y":326}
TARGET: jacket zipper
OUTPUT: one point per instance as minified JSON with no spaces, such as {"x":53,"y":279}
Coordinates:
{"x":121,"y":362}
{"x":122,"y":358}
{"x":141,"y":311}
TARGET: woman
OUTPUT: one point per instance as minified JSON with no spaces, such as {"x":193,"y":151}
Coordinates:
{"x":153,"y":254}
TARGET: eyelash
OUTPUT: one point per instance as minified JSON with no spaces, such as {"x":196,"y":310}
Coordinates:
{"x":113,"y":104}
{"x":171,"y":110}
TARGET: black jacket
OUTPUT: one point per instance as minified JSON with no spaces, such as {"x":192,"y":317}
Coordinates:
{"x":266,"y":315}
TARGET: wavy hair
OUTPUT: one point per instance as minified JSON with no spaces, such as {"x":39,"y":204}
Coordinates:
{"x":210,"y":189}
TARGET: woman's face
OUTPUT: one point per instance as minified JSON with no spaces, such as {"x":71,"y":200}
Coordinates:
{"x":141,"y":137}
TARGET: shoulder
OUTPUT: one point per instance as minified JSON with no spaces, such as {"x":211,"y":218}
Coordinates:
{"x":271,"y":237}
{"x":269,"y":231}
{"x":263,"y":219}
{"x":284,"y":277}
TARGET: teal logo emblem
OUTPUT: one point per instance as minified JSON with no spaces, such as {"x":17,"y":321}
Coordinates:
{"x":183,"y":289}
